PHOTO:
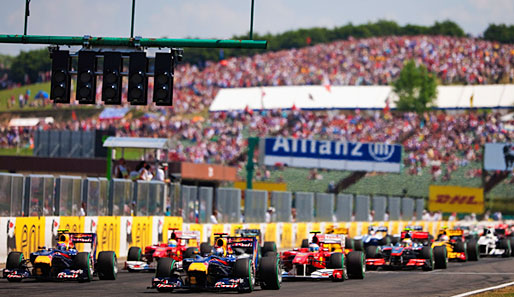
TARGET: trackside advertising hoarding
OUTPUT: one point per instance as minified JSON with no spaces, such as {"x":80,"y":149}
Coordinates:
{"x":338,"y":155}
{"x":456,"y":199}
{"x":499,"y":156}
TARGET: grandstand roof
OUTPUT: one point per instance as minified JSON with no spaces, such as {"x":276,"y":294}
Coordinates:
{"x":138,"y":142}
{"x":352,"y":97}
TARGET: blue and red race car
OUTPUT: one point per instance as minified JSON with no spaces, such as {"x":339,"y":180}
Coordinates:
{"x":64,"y":262}
{"x":233,"y":265}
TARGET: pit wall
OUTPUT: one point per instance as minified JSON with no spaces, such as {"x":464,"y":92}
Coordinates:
{"x":26,"y":234}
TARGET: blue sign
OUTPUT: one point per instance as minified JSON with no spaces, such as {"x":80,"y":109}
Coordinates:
{"x":339,"y":155}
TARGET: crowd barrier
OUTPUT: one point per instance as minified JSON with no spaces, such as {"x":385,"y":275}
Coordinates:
{"x":46,"y":195}
{"x":118,"y":233}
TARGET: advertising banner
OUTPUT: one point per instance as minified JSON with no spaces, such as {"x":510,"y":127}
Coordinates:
{"x":456,"y":199}
{"x":338,"y":155}
{"x":499,"y":156}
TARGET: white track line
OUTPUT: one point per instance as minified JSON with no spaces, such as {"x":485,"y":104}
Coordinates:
{"x":484,"y":290}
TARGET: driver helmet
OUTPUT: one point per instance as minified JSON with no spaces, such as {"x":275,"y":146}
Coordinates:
{"x":407,"y":242}
{"x":172,"y":243}
{"x":219,"y":251}
{"x":313,"y":247}
{"x":444,"y":237}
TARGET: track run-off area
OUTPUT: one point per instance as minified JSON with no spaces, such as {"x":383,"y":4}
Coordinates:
{"x":457,"y":279}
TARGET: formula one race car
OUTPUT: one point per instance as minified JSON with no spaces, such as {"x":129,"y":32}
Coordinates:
{"x":323,"y":259}
{"x":377,"y":236}
{"x":411,"y":252}
{"x":233,"y":265}
{"x":267,"y":248}
{"x":456,"y":246}
{"x":181,"y":244}
{"x":63,"y":262}
{"x":494,"y":242}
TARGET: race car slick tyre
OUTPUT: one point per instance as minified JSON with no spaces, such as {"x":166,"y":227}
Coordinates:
{"x":83,"y":261}
{"x":268,"y":246}
{"x":460,"y":247}
{"x":107,"y":265}
{"x":269,"y":273}
{"x":336,"y":261}
{"x":243,"y":269}
{"x":348,"y":243}
{"x":427,"y":253}
{"x":190,"y":252}
{"x":472,"y":249}
{"x":356,"y":265}
{"x":305,"y":243}
{"x":440,"y":257}
{"x":504,"y":244}
{"x":358,"y":245}
{"x":271,"y":254}
{"x":14,"y":260}
{"x":134,"y":254}
{"x":164,"y":269}
{"x":372,"y":251}
{"x":205,"y":248}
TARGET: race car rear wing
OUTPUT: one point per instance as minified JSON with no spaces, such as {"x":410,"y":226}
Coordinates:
{"x":414,"y":235}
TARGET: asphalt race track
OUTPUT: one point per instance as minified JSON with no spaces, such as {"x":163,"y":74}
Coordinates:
{"x":458,"y":278}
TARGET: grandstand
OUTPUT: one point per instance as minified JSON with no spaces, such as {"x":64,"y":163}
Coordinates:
{"x":440,"y":147}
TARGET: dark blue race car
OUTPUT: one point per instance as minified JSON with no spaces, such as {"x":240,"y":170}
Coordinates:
{"x":234,"y":265}
{"x":64,"y":262}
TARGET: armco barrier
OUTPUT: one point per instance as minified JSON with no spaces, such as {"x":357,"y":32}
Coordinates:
{"x":117,"y":233}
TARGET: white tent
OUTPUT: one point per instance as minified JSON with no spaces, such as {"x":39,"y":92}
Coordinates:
{"x":29,"y":122}
{"x":352,"y":97}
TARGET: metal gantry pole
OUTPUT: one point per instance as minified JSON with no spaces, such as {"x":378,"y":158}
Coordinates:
{"x":251,"y":21}
{"x":132,"y":20}
{"x":27,"y":13}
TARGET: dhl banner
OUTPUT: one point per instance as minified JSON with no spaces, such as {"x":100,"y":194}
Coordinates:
{"x":456,"y":199}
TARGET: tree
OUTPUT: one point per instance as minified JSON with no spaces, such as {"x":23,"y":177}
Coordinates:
{"x":30,"y":63}
{"x":415,"y":87}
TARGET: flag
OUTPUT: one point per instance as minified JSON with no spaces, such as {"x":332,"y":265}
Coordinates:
{"x":387,"y":108}
{"x":326,"y":82}
{"x":308,"y":40}
{"x":263,"y":93}
{"x":73,"y":115}
{"x":311,"y":97}
{"x":471,"y":100}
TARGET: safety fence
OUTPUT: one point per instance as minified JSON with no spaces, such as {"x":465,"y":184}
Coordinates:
{"x":46,"y":195}
{"x":119,"y":233}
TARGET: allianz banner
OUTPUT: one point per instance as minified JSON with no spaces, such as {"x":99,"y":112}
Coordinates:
{"x":338,"y":155}
{"x":499,"y":156}
{"x":456,"y":199}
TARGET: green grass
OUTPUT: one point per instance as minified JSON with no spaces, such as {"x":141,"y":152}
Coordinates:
{"x":15,"y":152}
{"x":5,"y":96}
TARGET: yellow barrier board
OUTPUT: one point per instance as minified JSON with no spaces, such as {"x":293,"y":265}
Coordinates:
{"x":142,"y":231}
{"x":108,"y":234}
{"x":301,"y":233}
{"x":271,"y":232}
{"x":30,"y":234}
{"x":286,"y":236}
{"x":456,"y":199}
{"x":172,"y":222}
{"x":73,"y":224}
{"x":267,"y":186}
{"x":197,"y":227}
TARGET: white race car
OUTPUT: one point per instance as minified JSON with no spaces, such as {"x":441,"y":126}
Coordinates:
{"x":490,"y":244}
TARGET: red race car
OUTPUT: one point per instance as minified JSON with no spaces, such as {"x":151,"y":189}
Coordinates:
{"x":323,"y":259}
{"x":181,"y":245}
